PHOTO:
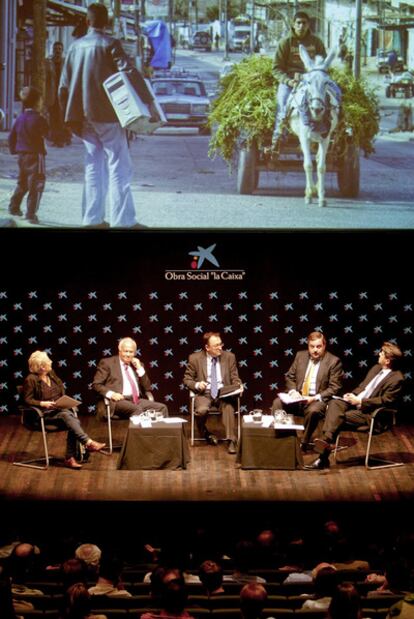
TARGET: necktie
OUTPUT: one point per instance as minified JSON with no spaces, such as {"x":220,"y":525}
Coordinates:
{"x":131,"y":381}
{"x":213,"y":378}
{"x":370,"y":388}
{"x":308,"y":379}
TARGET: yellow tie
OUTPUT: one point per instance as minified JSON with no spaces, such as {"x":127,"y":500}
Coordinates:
{"x":308,"y":378}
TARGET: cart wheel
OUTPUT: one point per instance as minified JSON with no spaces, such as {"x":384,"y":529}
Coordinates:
{"x":348,"y":172}
{"x":247,"y":175}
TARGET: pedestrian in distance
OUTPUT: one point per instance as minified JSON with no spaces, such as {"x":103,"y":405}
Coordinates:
{"x":27,"y":141}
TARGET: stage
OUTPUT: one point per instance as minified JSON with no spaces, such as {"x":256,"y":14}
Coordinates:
{"x":265,"y":304}
{"x":212,"y":475}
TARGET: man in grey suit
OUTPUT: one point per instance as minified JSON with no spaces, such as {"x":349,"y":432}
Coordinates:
{"x":123,"y":380}
{"x":313,"y":378}
{"x":381,"y":387}
{"x":209,"y":373}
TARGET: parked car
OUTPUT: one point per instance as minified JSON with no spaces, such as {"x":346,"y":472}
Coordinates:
{"x":201,"y":40}
{"x":403,"y":82}
{"x":183,"y":98}
{"x":383,"y":62}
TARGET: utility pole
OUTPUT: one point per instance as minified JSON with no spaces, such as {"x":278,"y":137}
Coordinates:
{"x":39,"y":46}
{"x":358,"y":27}
{"x":117,"y":17}
{"x":252,"y":28}
{"x":226,"y":30}
{"x":8,"y":45}
{"x":171,"y":15}
{"x":137,"y":28}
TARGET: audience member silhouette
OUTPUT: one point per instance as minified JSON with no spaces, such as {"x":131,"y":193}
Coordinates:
{"x":109,"y":581}
{"x":78,"y":603}
{"x":253,"y":597}
{"x":173,"y":597}
{"x":211,"y":576}
{"x":345,"y":602}
{"x":325,"y":581}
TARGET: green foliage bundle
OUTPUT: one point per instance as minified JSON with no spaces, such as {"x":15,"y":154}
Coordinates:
{"x":245,"y":108}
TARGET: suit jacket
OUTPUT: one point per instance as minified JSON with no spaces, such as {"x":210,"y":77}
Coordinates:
{"x":196,"y":370}
{"x":108,"y":377}
{"x":328,"y":380}
{"x":386,"y":393}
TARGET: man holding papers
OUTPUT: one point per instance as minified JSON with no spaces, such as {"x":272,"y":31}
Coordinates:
{"x":212,"y":374}
{"x":381,"y":387}
{"x":313,"y":378}
{"x":42,"y":388}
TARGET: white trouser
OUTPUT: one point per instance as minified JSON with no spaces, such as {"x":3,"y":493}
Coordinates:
{"x":107,"y":170}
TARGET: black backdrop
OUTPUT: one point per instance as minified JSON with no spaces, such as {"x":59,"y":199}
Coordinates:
{"x":76,"y":292}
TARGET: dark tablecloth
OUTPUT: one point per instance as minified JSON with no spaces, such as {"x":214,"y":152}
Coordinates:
{"x":267,"y":448}
{"x":163,"y":446}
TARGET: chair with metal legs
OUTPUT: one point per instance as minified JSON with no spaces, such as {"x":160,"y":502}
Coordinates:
{"x":35,"y":419}
{"x":212,"y":411}
{"x":109,"y":415}
{"x":381,"y":420}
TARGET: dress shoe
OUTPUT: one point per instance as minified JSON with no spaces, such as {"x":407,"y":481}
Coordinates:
{"x":211,"y":439}
{"x":318,"y":465}
{"x":71,"y":463}
{"x":232,"y":447}
{"x":305,"y":447}
{"x":94,"y":445}
{"x":322,"y":446}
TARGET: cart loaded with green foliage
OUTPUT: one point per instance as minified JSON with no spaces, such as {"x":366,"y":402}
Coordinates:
{"x":242,"y":119}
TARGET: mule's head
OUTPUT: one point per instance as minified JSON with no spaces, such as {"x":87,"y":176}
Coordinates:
{"x":316,"y":81}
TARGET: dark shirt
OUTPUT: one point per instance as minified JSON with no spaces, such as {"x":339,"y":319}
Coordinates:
{"x":28,"y":133}
{"x":50,"y":394}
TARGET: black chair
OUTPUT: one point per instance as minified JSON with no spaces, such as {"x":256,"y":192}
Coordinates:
{"x":381,"y":420}
{"x":35,"y":419}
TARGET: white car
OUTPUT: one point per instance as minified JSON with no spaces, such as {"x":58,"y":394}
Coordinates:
{"x":183,"y":99}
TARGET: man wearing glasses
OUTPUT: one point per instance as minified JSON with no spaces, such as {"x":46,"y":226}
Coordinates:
{"x":212,"y":374}
{"x":381,"y":387}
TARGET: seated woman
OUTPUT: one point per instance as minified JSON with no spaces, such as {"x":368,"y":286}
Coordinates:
{"x":42,"y":388}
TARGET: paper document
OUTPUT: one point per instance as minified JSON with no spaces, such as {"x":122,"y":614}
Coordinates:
{"x":289,"y":399}
{"x":230,"y":390}
{"x":173,"y":420}
{"x":288,"y":426}
{"x":66,"y":402}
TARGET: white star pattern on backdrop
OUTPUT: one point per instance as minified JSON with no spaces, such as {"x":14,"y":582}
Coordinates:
{"x":264,"y":328}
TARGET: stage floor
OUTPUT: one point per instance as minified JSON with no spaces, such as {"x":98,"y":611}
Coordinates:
{"x":211,"y":476}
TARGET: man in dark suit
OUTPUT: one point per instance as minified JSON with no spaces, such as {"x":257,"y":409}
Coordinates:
{"x":313,"y":378}
{"x":208,"y":373}
{"x":123,"y":380}
{"x":381,"y":387}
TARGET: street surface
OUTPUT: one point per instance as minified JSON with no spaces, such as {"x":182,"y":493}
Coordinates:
{"x":177,"y":186}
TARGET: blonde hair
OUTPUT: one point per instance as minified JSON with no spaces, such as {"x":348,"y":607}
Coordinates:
{"x":37,"y":359}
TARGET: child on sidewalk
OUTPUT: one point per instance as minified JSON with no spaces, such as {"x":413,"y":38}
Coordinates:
{"x":26,"y":139}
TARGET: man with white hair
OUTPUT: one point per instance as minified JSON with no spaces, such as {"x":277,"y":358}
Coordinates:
{"x":123,"y":380}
